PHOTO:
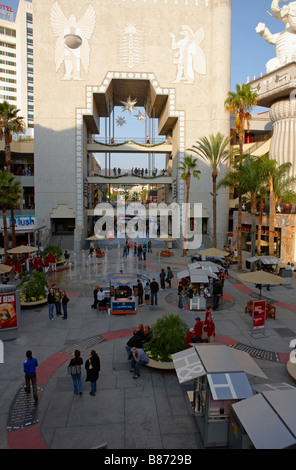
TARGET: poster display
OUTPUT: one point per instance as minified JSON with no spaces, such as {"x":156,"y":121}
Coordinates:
{"x":259,"y":308}
{"x":8,"y":313}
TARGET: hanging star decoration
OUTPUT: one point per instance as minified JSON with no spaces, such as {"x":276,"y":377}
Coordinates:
{"x":120,"y":121}
{"x":129,"y":105}
{"x":141,"y":117}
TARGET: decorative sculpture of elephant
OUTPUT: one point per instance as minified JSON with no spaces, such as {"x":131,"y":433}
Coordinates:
{"x":284,"y":41}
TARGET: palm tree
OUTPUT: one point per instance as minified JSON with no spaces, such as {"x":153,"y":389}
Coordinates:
{"x":10,"y":123}
{"x":215,"y":151}
{"x":188,"y":168}
{"x":16,"y":194}
{"x":6,"y":198}
{"x":241,"y":103}
{"x":234,"y":178}
{"x":254,"y":178}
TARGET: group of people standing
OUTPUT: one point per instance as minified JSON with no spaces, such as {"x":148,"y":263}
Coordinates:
{"x":92,"y":367}
{"x":139,"y":250}
{"x":59,"y":301}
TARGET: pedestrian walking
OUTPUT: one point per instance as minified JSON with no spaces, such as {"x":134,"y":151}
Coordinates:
{"x":93,"y":367}
{"x":140,"y":293}
{"x":140,"y":252}
{"x":217,"y":292}
{"x":50,"y":302}
{"x":147,"y":292}
{"x":96,"y":290}
{"x":162,"y":278}
{"x":149,"y":246}
{"x":74,"y":370}
{"x":180,"y":296}
{"x":30,"y":366}
{"x":169,"y":277}
{"x":144,"y":250}
{"x":65,"y":299}
{"x":154,"y":287}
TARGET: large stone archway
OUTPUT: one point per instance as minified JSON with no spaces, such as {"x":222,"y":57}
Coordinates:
{"x":159,"y":102}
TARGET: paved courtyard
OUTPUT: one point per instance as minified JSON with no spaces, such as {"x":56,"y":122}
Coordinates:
{"x":152,"y":412}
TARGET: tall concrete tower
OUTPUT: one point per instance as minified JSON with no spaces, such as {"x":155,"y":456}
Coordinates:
{"x":171,"y":56}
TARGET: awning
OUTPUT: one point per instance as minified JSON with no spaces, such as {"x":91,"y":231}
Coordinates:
{"x":199,"y":276}
{"x":207,"y":359}
{"x":229,"y":386}
{"x":182,"y":274}
{"x":270,"y":260}
{"x":269,"y":418}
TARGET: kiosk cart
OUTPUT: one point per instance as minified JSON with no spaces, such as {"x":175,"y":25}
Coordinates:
{"x":198,"y":279}
{"x":124,"y":301}
{"x":121,"y":292}
{"x":218,"y":375}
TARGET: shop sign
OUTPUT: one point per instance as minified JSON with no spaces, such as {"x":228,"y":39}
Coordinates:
{"x":21,"y":222}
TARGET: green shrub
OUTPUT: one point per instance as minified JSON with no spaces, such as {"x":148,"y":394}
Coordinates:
{"x":55,"y":250}
{"x":32,"y":286}
{"x":167,"y":337}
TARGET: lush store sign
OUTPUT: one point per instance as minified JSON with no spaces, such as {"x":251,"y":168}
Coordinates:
{"x":22,"y":223}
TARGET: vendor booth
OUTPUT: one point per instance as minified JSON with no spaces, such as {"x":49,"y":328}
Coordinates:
{"x":198,"y":283}
{"x":266,"y":420}
{"x":121,"y":292}
{"x":219,"y":380}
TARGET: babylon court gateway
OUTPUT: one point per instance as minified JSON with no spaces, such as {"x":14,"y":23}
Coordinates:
{"x":167,"y":61}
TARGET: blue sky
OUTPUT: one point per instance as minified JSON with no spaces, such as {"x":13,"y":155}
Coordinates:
{"x":249,"y":51}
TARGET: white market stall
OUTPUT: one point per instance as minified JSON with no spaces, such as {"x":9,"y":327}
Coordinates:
{"x":219,"y":380}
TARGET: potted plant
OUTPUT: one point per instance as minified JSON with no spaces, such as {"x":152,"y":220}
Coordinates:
{"x":167,"y":337}
{"x":33,"y":287}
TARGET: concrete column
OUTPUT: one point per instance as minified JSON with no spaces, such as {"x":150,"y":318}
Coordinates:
{"x":283,"y":142}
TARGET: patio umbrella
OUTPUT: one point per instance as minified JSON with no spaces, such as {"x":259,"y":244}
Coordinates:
{"x":165,"y":239}
{"x":5,"y":269}
{"x":261,"y":277}
{"x":213,"y":252}
{"x":22,"y":249}
{"x":95,"y":237}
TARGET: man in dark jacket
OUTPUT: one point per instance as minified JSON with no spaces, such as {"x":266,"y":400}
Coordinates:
{"x":217,"y":292}
{"x":154,"y":287}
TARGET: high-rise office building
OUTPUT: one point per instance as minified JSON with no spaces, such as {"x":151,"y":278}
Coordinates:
{"x":16,"y":58}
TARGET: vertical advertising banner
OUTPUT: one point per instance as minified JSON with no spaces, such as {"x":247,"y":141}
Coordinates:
{"x":259,"y":307}
{"x":8,"y":315}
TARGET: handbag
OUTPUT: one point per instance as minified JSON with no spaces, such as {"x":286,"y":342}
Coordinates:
{"x":74,"y":370}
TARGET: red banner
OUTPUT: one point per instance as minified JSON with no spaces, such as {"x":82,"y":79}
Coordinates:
{"x":259,"y":307}
{"x":8,"y":317}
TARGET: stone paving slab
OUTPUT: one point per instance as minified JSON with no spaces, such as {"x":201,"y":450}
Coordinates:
{"x":156,"y":399}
